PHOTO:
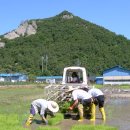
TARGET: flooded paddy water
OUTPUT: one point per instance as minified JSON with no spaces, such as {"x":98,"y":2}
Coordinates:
{"x":117,"y":107}
{"x":118,"y":113}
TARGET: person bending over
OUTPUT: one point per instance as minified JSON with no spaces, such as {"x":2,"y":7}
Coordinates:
{"x":42,"y":107}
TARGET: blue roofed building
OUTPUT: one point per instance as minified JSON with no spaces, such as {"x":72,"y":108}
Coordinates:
{"x":99,"y":80}
{"x":13,"y":77}
{"x":116,"y":75}
{"x":49,"y":79}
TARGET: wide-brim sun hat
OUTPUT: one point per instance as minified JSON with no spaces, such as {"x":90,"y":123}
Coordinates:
{"x":53,"y":106}
{"x":69,"y":89}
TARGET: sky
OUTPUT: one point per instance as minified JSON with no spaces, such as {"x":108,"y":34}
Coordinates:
{"x":113,"y":15}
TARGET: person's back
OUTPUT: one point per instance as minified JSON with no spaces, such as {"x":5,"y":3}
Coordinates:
{"x":80,"y":94}
{"x":95,"y":92}
{"x":40,"y":103}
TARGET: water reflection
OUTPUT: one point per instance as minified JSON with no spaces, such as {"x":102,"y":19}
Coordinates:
{"x":118,"y":113}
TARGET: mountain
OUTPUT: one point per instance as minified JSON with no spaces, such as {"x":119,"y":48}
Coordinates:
{"x":60,"y":41}
{"x":26,"y":28}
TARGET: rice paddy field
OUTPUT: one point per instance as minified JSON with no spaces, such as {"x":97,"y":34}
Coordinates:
{"x":14,"y":110}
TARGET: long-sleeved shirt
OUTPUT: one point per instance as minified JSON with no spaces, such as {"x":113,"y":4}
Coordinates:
{"x":40,"y":105}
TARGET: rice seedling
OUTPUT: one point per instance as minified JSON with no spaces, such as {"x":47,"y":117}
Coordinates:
{"x":56,"y":120}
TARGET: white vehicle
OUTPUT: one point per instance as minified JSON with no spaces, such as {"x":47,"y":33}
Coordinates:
{"x":81,"y":73}
{"x":57,"y":92}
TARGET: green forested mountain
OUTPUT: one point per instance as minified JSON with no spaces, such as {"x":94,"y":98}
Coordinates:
{"x":64,"y":40}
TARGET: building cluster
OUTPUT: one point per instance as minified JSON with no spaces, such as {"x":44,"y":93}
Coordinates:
{"x":115,"y":75}
{"x":19,"y":77}
{"x":15,"y":77}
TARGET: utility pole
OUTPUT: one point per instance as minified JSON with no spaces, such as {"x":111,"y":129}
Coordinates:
{"x":46,"y":60}
{"x":78,"y":63}
{"x":42,"y":63}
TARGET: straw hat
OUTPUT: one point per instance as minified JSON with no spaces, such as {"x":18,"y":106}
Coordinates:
{"x":53,"y":106}
{"x":70,"y":88}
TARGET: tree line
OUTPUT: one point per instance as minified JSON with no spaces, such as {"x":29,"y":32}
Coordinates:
{"x":61,"y":42}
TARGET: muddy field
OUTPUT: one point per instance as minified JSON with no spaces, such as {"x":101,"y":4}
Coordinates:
{"x":117,"y":114}
{"x":117,"y":106}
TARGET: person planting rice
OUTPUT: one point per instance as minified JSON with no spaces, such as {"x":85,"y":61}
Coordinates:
{"x":84,"y":97}
{"x":43,"y":108}
{"x":99,"y":99}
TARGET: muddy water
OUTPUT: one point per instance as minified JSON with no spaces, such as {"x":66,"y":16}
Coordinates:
{"x":118,"y":113}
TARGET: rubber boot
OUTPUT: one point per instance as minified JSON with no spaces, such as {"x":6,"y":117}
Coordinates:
{"x":103,"y":113}
{"x":80,"y":109}
{"x":29,"y":120}
{"x":93,"y":112}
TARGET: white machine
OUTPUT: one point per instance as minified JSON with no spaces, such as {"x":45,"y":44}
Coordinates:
{"x":57,"y":91}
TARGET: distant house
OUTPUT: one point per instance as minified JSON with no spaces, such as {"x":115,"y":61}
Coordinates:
{"x":15,"y":77}
{"x":49,"y":79}
{"x":99,"y":80}
{"x":116,"y":75}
